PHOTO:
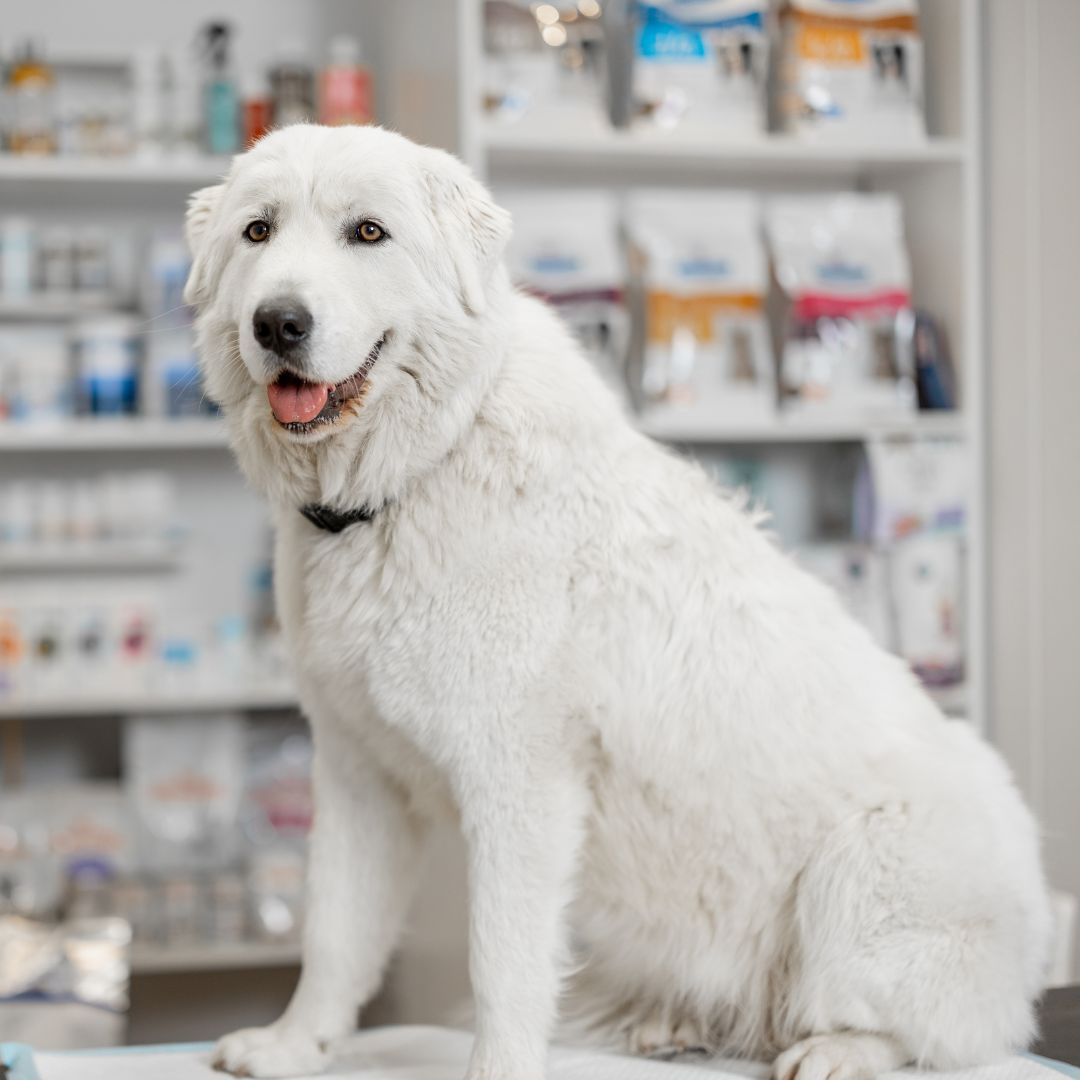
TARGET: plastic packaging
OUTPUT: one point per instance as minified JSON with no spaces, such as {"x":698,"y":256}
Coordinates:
{"x":703,"y":64}
{"x":543,"y":63}
{"x":851,"y":69}
{"x":703,"y":349}
{"x":848,"y":340}
{"x":564,"y":248}
{"x":64,"y":987}
{"x":183,"y":776}
{"x":926,"y":573}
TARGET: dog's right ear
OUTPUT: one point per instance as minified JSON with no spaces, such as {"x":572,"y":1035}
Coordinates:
{"x":476,"y":229}
{"x":200,"y":211}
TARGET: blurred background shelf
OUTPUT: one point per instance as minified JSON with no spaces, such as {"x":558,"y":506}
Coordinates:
{"x":183,"y":172}
{"x":514,"y":148}
{"x":89,"y":555}
{"x":59,"y":305}
{"x":169,"y":959}
{"x":120,"y":434}
{"x":250,"y":696}
{"x":679,"y":427}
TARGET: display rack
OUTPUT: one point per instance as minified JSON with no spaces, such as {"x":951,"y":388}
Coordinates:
{"x":239,"y":695}
{"x":135,"y":434}
{"x":938,"y":180}
{"x":176,"y":959}
{"x":429,"y":59}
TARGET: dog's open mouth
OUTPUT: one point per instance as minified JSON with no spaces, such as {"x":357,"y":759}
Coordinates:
{"x":299,"y":405}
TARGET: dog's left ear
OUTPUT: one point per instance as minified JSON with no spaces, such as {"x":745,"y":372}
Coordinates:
{"x":200,"y":210}
{"x":476,"y":229}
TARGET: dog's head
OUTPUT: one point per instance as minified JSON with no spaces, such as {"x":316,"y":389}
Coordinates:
{"x":342,"y":277}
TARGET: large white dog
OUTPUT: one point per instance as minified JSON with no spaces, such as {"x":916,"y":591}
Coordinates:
{"x":677,"y":763}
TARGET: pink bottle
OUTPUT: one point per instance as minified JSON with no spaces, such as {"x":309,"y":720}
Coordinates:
{"x":345,"y":86}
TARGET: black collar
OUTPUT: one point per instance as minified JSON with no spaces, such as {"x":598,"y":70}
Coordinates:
{"x":330,"y":520}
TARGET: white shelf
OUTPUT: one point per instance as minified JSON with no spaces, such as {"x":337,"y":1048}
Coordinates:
{"x":132,"y":433}
{"x":59,"y":305}
{"x":598,"y":145}
{"x":165,"y":171}
{"x":669,"y":426}
{"x":166,"y":959}
{"x":89,"y":555}
{"x":104,"y":703}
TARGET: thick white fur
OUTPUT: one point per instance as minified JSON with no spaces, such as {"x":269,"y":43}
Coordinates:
{"x":671,"y":752}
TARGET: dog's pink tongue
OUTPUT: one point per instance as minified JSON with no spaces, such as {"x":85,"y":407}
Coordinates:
{"x":297,"y":402}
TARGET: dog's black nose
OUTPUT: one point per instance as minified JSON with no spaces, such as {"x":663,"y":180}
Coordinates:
{"x":282,"y":326}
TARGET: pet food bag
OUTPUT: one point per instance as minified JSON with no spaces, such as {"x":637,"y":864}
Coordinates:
{"x":184,"y":777}
{"x":565,"y":249}
{"x":848,"y":341}
{"x":918,"y":494}
{"x":702,"y":64}
{"x":917,"y":486}
{"x":543,"y":63}
{"x":851,"y":69}
{"x":703,"y":351}
{"x":926,"y":575}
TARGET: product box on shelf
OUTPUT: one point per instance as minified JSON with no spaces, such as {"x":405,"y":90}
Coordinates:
{"x":851,"y":70}
{"x":564,"y":248}
{"x":703,"y":66}
{"x":203,"y":843}
{"x":543,"y":64}
{"x":702,"y":348}
{"x":848,"y":342}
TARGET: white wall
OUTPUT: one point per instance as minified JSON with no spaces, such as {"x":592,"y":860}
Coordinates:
{"x":1033,"y":147}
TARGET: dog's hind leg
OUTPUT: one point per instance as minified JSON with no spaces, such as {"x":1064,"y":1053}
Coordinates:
{"x":907,"y":950}
{"x":364,"y":858}
{"x":667,"y":1032}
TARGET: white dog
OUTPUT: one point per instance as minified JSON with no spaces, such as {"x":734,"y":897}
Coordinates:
{"x":675,"y":760}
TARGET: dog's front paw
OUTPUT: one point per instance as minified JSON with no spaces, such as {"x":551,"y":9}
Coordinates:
{"x":270,"y":1052}
{"x":839,"y":1057}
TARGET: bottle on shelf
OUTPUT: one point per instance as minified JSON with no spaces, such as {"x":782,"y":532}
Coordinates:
{"x":345,"y":85}
{"x":257,"y":109}
{"x":292,"y":86}
{"x":221,"y":114}
{"x":150,"y":98}
{"x":31,"y":88}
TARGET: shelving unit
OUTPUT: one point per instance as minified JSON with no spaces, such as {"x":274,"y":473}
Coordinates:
{"x":59,"y":306}
{"x":938,"y":180}
{"x":676,"y":428}
{"x":72,"y":556}
{"x":428,"y":59}
{"x":131,"y":433}
{"x":596,"y":145}
{"x":168,"y":172}
{"x":241,"y":695}
{"x":174,"y":959}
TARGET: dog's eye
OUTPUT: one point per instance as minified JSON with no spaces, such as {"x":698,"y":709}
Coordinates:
{"x":369,"y":232}
{"x":257,"y":231}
